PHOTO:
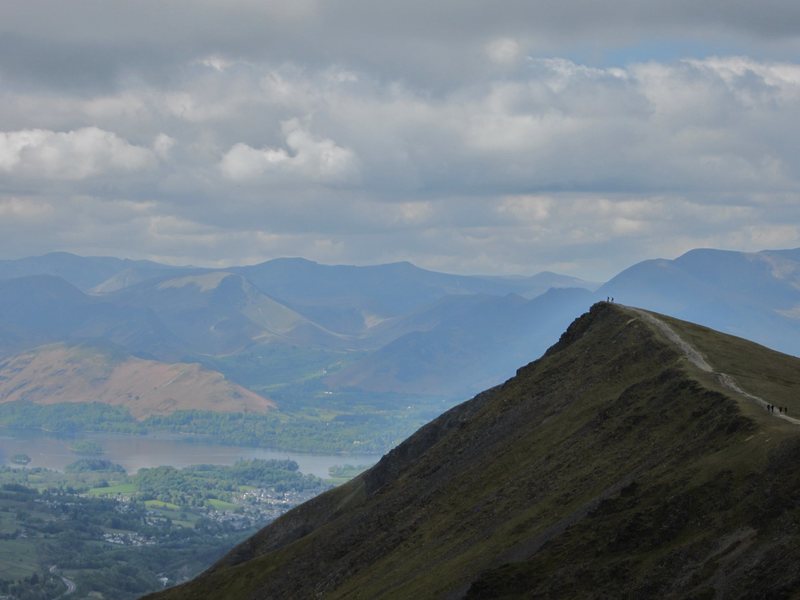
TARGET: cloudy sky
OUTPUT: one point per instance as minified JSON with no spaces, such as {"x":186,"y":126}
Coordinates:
{"x":468,"y":136}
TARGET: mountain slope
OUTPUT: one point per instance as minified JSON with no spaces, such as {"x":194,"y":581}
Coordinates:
{"x":611,"y":467}
{"x":88,"y":373}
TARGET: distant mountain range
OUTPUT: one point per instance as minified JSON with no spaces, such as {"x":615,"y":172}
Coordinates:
{"x":635,"y":459}
{"x":84,"y":272}
{"x":41,"y":309}
{"x":307,"y":333}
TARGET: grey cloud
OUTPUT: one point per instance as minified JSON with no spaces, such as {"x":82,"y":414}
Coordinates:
{"x":86,"y":42}
{"x":72,"y":155}
{"x":714,"y":126}
{"x":354,"y":131}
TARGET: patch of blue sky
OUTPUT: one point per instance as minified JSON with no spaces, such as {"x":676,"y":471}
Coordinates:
{"x":655,"y":50}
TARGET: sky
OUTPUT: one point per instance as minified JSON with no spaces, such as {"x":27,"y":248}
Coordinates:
{"x":503,"y":137}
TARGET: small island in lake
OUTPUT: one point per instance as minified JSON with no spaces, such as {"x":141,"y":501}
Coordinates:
{"x":86,"y":448}
{"x":20,"y":459}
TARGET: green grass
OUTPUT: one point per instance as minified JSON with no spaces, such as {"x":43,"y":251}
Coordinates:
{"x":18,"y":559}
{"x":221,"y":504}
{"x":763,"y":372}
{"x":8,"y":523}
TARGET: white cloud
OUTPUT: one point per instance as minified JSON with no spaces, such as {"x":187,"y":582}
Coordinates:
{"x":21,"y":211}
{"x":70,"y":155}
{"x":218,"y":63}
{"x":163,"y":145}
{"x":552,"y":163}
{"x":528,"y":208}
{"x":504,"y":51}
{"x":308,"y":158}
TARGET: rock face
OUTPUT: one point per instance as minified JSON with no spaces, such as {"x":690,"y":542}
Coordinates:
{"x":612,"y":467}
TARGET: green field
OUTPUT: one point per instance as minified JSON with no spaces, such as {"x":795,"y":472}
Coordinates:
{"x":222,"y":505}
{"x":123,"y":489}
{"x":18,"y":559}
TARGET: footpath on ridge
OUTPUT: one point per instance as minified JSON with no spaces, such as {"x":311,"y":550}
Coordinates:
{"x":698,"y":360}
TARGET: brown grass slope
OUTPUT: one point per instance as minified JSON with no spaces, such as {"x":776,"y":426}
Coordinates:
{"x":609,"y":468}
{"x":85,"y":373}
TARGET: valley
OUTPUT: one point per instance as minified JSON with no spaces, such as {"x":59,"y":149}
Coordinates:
{"x":115,"y":535}
{"x":311,"y":357}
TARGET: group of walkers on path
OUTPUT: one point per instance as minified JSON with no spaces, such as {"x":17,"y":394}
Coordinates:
{"x":781,"y":409}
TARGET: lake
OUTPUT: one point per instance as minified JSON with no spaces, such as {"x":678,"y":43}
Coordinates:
{"x":136,"y":452}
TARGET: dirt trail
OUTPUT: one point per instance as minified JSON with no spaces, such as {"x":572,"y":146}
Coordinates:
{"x":71,"y":587}
{"x":699,"y":361}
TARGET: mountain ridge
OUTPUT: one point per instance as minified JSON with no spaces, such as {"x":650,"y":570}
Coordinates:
{"x":612,"y":466}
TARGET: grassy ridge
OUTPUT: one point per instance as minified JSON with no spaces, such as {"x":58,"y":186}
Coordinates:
{"x":609,"y":468}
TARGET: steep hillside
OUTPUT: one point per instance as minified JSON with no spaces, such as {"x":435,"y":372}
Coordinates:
{"x":87,"y":373}
{"x":753,"y":295}
{"x":636,"y":459}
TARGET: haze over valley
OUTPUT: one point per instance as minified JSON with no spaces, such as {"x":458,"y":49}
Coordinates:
{"x":356,"y":357}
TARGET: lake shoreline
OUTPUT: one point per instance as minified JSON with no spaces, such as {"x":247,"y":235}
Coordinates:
{"x":137,"y":451}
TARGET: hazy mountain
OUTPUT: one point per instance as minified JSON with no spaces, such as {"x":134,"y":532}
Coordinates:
{"x":219,"y":312}
{"x":133,"y":275}
{"x":753,"y":295}
{"x":616,"y":466}
{"x":352,"y":299}
{"x":384,"y":329}
{"x":42,"y":309}
{"x":538,"y":284}
{"x":84,"y":272}
{"x":99,"y":373}
{"x":472,"y":342}
{"x":392,"y":288}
